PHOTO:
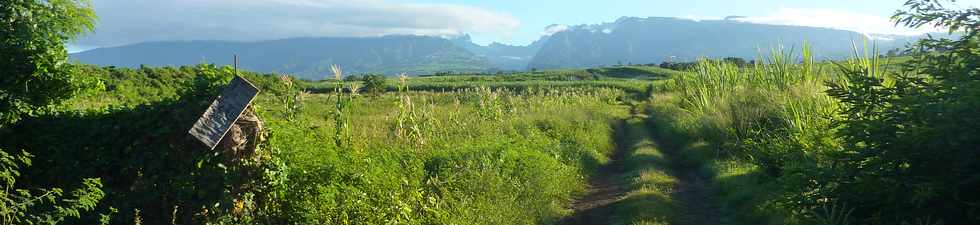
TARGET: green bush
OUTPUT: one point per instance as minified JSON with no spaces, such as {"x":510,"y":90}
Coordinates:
{"x":42,"y":206}
{"x":912,"y":137}
{"x":375,"y":83}
{"x":34,"y":76}
{"x":142,"y":153}
{"x":33,"y":70}
{"x":798,"y":143}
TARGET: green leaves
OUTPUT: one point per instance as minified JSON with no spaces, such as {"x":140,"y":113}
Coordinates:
{"x":374,"y":83}
{"x":33,"y":72}
{"x":935,"y":13}
{"x":914,"y":134}
{"x":41,"y":206}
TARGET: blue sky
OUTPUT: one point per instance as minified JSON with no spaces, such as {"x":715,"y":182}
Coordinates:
{"x":507,"y":21}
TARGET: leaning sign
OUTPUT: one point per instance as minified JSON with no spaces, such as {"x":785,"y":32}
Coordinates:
{"x":223,"y":112}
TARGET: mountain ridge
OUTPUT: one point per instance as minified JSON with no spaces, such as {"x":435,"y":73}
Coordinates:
{"x":658,"y":39}
{"x":305,"y":57}
{"x":625,"y":40}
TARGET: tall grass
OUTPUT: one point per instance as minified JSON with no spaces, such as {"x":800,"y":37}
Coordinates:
{"x":434,"y":158}
{"x":766,"y":124}
{"x":782,"y":93}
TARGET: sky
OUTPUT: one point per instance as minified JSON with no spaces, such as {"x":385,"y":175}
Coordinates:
{"x":517,"y":22}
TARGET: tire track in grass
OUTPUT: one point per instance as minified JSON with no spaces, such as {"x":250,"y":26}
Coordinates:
{"x":696,"y":200}
{"x":647,"y":181}
{"x":693,"y":192}
{"x":605,"y":187}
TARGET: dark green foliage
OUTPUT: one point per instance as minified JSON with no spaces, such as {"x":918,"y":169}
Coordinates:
{"x":912,"y":142}
{"x":375,"y":83}
{"x":739,"y":62}
{"x":679,"y":66}
{"x":634,"y":72}
{"x":40,"y":205}
{"x":142,"y":152}
{"x":686,"y":66}
{"x":33,"y":77}
{"x":125,"y":87}
{"x":352,"y":78}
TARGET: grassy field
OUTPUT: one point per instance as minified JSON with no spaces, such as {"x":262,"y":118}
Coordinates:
{"x":510,"y":152}
{"x":720,"y":144}
{"x":634,"y":82}
{"x":493,"y":156}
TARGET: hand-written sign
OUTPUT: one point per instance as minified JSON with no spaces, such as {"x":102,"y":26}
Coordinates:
{"x":224,"y":111}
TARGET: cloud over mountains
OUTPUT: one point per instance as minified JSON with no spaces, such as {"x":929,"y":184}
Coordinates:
{"x":127,"y":21}
{"x":837,"y":19}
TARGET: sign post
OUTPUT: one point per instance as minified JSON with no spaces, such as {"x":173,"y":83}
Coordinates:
{"x":211,"y":127}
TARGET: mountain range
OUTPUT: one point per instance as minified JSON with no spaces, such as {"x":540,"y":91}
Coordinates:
{"x":626,"y":40}
{"x":305,"y":57}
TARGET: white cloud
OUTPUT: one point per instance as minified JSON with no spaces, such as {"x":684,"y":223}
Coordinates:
{"x":697,"y":18}
{"x":837,"y":19}
{"x":554,"y":28}
{"x":132,"y":21}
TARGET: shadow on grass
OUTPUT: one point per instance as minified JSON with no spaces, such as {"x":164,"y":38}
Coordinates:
{"x":725,"y":191}
{"x":748,"y":194}
{"x":605,"y":185}
{"x":633,"y":188}
{"x":143,"y":156}
{"x":649,"y":200}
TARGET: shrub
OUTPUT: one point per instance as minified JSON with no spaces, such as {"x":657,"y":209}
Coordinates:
{"x":375,"y":83}
{"x":41,"y":206}
{"x":352,"y":78}
{"x":912,"y":138}
{"x":33,"y":70}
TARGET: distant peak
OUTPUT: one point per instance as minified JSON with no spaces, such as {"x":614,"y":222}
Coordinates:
{"x":464,"y":37}
{"x":552,"y":29}
{"x":628,"y":19}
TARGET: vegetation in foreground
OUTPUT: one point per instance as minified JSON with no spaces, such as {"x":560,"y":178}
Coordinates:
{"x":848,"y":143}
{"x":498,"y":155}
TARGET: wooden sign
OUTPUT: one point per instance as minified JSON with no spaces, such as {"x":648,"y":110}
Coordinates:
{"x":224,"y":111}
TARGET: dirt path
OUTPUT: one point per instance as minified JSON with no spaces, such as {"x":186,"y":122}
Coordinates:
{"x":692,"y":192}
{"x":605,"y":187}
{"x":695,"y":199}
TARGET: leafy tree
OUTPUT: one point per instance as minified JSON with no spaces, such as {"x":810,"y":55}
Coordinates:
{"x":34,"y":75}
{"x":351,"y":78}
{"x":679,"y":66}
{"x":33,"y":69}
{"x":374,"y":83}
{"x":893,"y":52}
{"x":913,"y":139}
{"x":740,"y":62}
